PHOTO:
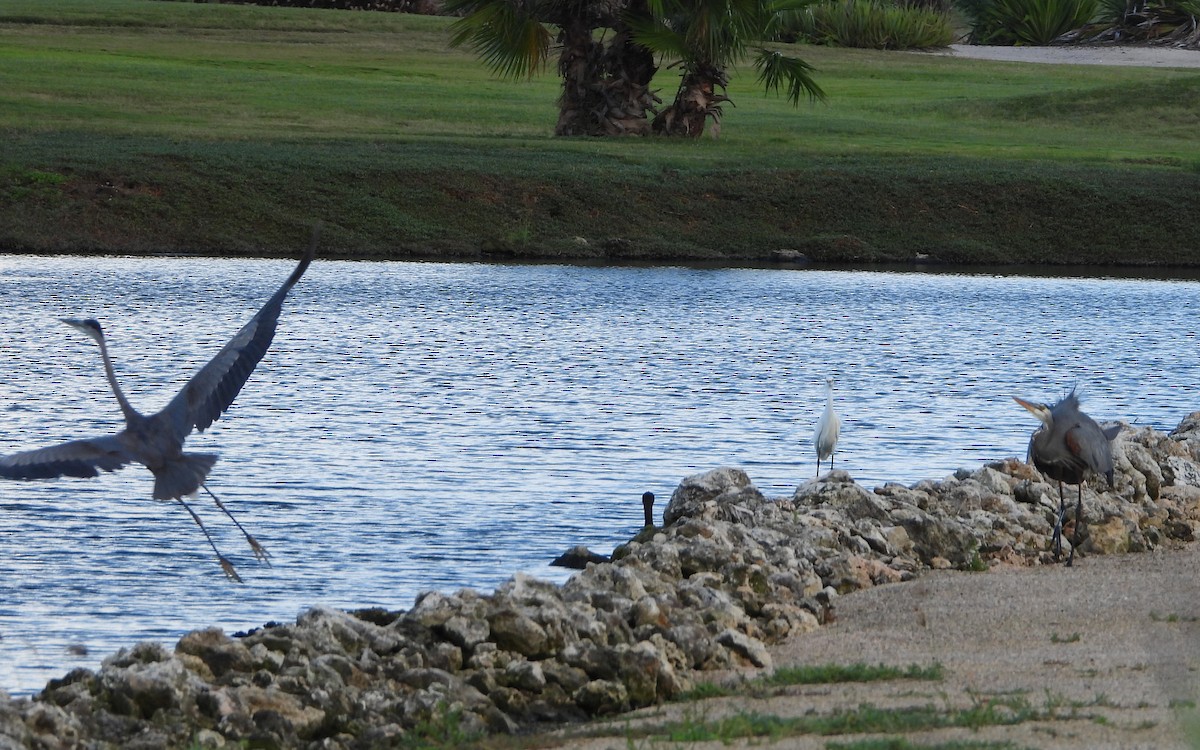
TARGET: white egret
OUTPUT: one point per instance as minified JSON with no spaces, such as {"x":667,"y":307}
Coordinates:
{"x":828,"y":427}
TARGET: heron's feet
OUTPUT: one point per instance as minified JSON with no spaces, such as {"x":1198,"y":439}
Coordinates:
{"x":230,"y":572}
{"x":260,"y":552}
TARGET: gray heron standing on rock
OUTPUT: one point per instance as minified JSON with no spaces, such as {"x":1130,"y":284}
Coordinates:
{"x":828,"y":427}
{"x":156,"y":441}
{"x":1067,"y":445}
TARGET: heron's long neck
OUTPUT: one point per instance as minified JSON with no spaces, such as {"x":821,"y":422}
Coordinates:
{"x":126,"y":408}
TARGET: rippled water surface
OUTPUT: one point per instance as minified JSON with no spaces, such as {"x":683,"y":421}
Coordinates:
{"x":423,"y":426}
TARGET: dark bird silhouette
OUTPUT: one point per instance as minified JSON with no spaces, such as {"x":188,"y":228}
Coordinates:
{"x":648,"y":508}
{"x":156,"y":441}
{"x":1067,"y":445}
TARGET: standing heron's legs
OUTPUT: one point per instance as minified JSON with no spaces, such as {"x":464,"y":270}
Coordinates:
{"x":225,"y":564}
{"x":1056,"y":541}
{"x":1078,"y":523}
{"x":260,"y":552}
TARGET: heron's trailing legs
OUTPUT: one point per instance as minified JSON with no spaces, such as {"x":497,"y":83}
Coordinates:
{"x":260,"y":552}
{"x":225,"y":564}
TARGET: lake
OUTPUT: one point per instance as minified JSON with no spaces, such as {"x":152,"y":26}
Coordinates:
{"x":422,"y":426}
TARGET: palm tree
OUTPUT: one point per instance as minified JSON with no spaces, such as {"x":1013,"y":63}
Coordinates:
{"x":605,"y":88}
{"x":706,"y":37}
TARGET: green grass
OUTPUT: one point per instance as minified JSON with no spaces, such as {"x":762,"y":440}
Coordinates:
{"x":818,"y":674}
{"x":831,"y":673}
{"x":144,"y":126}
{"x":899,"y":743}
{"x":869,"y":719}
{"x":865,"y":719}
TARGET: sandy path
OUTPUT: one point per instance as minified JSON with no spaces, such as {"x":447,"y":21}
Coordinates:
{"x":1148,"y":56}
{"x":1118,"y":637}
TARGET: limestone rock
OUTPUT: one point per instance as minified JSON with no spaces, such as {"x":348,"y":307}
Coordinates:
{"x":730,"y":573}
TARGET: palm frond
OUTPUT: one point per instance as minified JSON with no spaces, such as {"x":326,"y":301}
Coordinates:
{"x":657,"y":36}
{"x":776,"y":69}
{"x":512,"y":42}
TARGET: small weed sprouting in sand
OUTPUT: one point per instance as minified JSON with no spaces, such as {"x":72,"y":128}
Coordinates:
{"x":976,"y":564}
{"x":1072,"y":638}
{"x":1173,"y":617}
{"x":443,"y":729}
{"x":703,"y":690}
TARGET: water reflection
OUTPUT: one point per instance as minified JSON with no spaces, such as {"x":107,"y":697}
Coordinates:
{"x":426,"y":425}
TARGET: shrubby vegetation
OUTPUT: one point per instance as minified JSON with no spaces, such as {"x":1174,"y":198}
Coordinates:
{"x":1025,"y":21}
{"x":1035,"y":22}
{"x":897,"y":24}
{"x":1171,"y":22}
{"x":871,"y":24}
{"x":423,"y":7}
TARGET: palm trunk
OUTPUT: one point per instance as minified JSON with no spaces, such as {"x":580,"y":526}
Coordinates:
{"x":628,"y":71}
{"x":606,"y":91}
{"x":696,"y":101}
{"x":579,"y":66}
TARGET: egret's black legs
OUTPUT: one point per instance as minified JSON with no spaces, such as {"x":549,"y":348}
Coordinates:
{"x":260,"y":552}
{"x":225,"y":564}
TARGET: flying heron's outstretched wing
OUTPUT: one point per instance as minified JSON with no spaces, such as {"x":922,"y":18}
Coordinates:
{"x":212,"y":390}
{"x":78,"y":458}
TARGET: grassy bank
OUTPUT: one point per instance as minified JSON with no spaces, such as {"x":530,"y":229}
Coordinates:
{"x":140,"y":126}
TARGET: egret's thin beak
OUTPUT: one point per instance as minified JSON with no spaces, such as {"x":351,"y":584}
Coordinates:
{"x":1041,"y":411}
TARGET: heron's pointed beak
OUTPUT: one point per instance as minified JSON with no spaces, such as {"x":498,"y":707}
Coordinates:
{"x":90,"y":326}
{"x":1041,"y":411}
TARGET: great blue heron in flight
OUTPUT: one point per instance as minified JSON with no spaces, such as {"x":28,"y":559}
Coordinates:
{"x":1067,"y":445}
{"x":828,"y":426}
{"x":156,"y":441}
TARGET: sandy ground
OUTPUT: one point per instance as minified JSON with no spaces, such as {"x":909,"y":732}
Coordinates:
{"x":1109,"y":650}
{"x":1148,"y":56}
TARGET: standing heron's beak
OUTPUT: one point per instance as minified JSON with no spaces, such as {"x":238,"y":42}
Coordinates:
{"x":1041,"y":411}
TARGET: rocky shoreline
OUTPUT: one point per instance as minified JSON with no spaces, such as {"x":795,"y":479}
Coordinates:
{"x":729,"y":573}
